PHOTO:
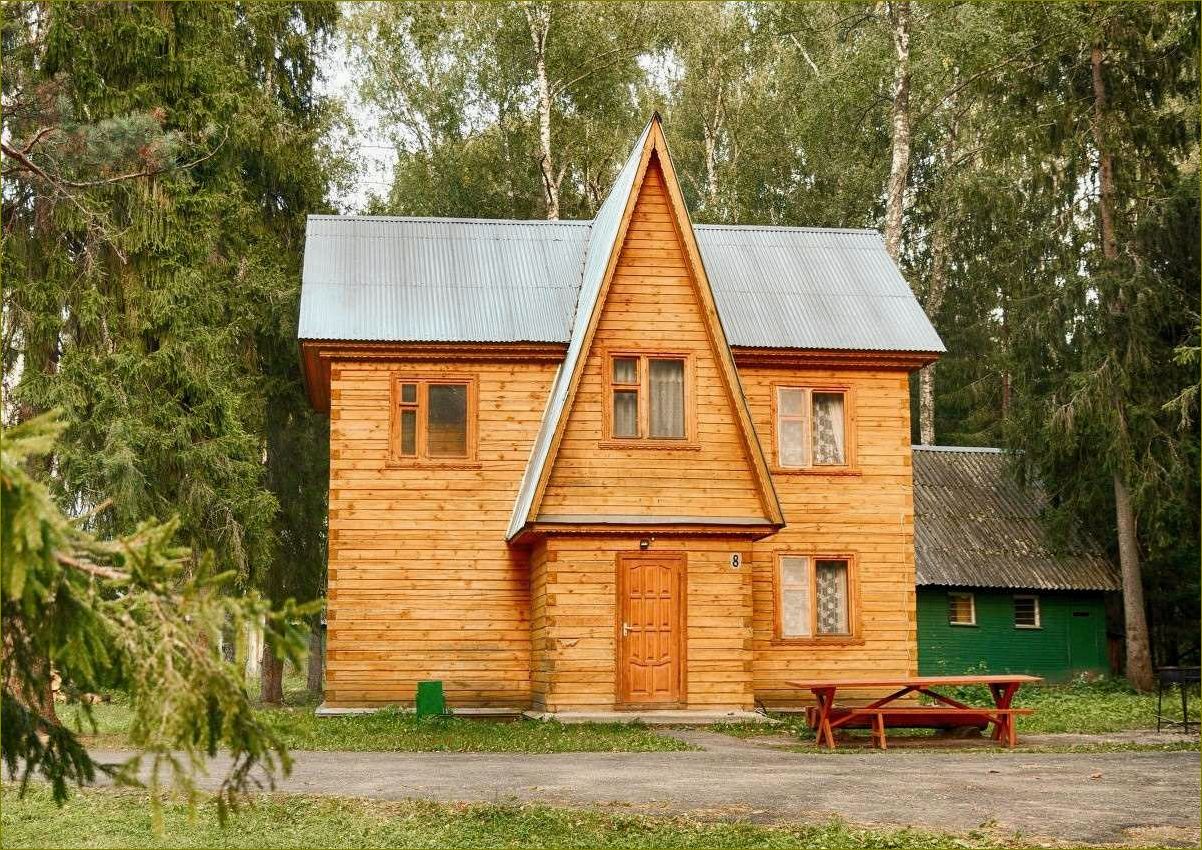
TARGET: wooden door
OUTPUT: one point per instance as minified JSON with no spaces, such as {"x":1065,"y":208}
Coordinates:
{"x":650,"y":629}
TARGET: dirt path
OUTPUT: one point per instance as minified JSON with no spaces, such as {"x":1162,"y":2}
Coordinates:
{"x":1137,"y":797}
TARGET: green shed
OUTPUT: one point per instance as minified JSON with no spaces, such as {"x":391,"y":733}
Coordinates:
{"x":993,"y":592}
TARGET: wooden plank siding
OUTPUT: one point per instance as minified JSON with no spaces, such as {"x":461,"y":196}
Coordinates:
{"x":652,"y":306}
{"x":421,"y":581}
{"x":576,"y":649}
{"x":868,"y":513}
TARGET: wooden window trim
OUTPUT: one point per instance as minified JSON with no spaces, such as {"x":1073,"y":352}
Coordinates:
{"x":972,"y":607}
{"x":855,"y":638}
{"x":1034,"y":597}
{"x":422,"y":460}
{"x":851,"y":467}
{"x":644,"y":356}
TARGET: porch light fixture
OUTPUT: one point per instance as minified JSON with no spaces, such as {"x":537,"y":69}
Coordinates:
{"x":645,"y":543}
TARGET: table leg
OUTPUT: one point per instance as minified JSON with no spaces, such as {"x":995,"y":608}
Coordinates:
{"x":878,"y":732}
{"x":826,"y":698}
{"x":1003,"y":695}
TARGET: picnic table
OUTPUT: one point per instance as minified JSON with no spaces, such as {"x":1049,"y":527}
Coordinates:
{"x":949,"y":712}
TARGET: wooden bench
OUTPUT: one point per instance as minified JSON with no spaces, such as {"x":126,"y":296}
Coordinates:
{"x":911,"y":717}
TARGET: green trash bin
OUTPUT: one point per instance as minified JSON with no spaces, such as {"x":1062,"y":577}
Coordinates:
{"x":430,"y":702}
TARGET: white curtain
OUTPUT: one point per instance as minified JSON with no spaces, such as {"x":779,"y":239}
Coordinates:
{"x":667,"y":398}
{"x":626,"y":413}
{"x":790,"y":427}
{"x":828,"y":429}
{"x":794,"y":597}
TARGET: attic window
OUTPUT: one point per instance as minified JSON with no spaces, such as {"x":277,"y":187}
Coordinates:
{"x":647,"y":397}
{"x":432,"y":420}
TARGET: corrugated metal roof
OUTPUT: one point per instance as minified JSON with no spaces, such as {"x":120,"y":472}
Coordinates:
{"x":602,"y":235}
{"x":440,"y":280}
{"x":453,"y":280}
{"x":976,"y":526}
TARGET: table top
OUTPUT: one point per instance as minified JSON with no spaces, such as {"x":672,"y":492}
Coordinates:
{"x":916,"y":681}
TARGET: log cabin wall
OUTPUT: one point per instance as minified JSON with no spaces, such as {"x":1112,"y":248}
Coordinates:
{"x":866,"y":512}
{"x":580,"y":599}
{"x":422,"y":584}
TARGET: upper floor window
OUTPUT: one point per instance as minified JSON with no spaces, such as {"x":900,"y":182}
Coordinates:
{"x":1026,"y":612}
{"x":648,"y":396}
{"x":812,"y":428}
{"x":433,"y":419}
{"x":814,"y":597}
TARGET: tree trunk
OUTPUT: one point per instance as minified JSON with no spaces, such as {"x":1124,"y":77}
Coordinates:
{"x":899,"y":167}
{"x":271,"y":688}
{"x":1139,"y":657}
{"x":538,"y":16}
{"x":316,"y":658}
{"x":254,"y":650}
{"x":934,"y":301}
{"x":1139,"y":654}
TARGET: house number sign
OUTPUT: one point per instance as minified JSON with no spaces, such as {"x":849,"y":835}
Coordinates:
{"x":736,"y":561}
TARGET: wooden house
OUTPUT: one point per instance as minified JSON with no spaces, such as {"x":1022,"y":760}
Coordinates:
{"x":626,"y":463}
{"x":995,"y":592}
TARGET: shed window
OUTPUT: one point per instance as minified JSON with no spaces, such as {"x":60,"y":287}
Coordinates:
{"x":813,"y":597}
{"x":811,"y":427}
{"x":1026,"y":612}
{"x":432,"y":419}
{"x":648,"y":397}
{"x":961,"y":609}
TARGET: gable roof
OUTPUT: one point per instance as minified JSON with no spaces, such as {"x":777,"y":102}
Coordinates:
{"x":391,"y":279}
{"x":976,"y":526}
{"x":604,"y":244}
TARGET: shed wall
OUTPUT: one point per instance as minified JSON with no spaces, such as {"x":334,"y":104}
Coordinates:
{"x":1063,"y":646}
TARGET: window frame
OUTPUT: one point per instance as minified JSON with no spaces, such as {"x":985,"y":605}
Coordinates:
{"x":854,"y":635}
{"x":422,"y":459}
{"x":972,"y":608}
{"x":850,"y":462}
{"x":1034,"y":597}
{"x":643,"y":358}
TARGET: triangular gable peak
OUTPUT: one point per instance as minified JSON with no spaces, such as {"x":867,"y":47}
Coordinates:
{"x":607,"y":237}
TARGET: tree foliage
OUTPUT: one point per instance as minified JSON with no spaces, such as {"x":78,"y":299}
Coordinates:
{"x":135,"y":613}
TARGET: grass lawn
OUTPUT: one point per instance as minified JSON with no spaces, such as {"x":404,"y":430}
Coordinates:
{"x":1089,"y":707}
{"x":392,"y":730}
{"x":106,"y":818}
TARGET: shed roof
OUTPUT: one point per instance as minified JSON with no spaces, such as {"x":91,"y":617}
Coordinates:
{"x":976,"y":526}
{"x":392,"y":279}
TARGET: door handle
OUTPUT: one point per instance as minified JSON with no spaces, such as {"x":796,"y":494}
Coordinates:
{"x":625,"y":629}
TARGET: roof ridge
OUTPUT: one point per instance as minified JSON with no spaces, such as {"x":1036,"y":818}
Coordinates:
{"x":978,"y":449}
{"x":585,"y":222}
{"x":417,"y":219}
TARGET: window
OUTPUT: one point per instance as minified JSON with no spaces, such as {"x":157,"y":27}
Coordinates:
{"x":814,"y":597}
{"x":811,"y":428}
{"x":432,"y":420}
{"x":961,"y":609}
{"x":1026,"y":612}
{"x":647,"y":397}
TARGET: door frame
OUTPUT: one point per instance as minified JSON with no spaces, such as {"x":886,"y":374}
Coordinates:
{"x":682,"y":619}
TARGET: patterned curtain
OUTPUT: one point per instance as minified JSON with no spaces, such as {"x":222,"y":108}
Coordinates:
{"x":828,"y":429}
{"x":832,"y":597}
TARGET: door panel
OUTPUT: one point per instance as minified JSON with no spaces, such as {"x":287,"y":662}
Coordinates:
{"x":650,"y":641}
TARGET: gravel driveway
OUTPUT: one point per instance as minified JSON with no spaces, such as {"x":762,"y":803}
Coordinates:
{"x":1136,"y":797}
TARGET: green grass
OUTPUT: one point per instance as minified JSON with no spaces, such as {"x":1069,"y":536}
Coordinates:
{"x":1098,"y":707}
{"x":106,"y":818}
{"x":392,"y":730}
